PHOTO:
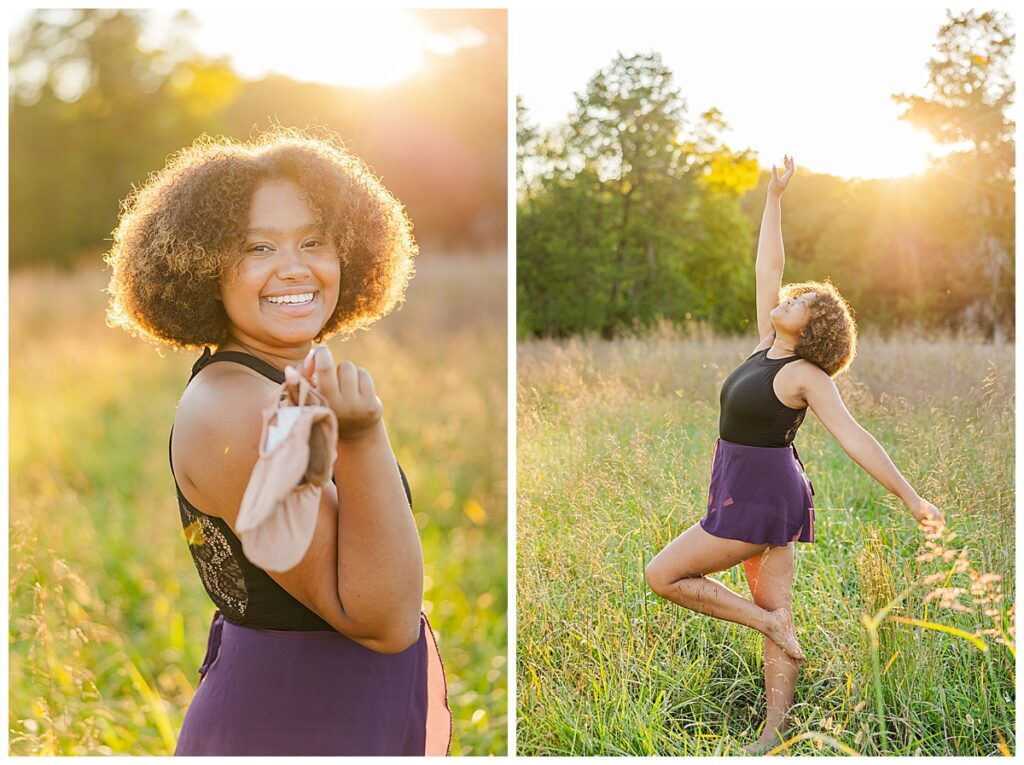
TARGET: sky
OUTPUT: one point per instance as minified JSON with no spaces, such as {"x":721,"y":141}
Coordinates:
{"x":368,"y":47}
{"x":815,"y":83}
{"x":358,"y":47}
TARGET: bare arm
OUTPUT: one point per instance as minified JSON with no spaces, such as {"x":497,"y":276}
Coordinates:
{"x":380,"y":561}
{"x":823,"y":398}
{"x":771,"y":256}
{"x":363,"y":571}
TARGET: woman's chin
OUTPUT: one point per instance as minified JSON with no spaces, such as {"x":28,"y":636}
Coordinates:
{"x":284,"y":337}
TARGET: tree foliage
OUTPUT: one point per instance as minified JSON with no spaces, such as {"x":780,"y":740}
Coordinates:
{"x":970,"y":88}
{"x":94,"y":111}
{"x":98,"y":111}
{"x":934,"y":250}
{"x":632,"y":212}
{"x":628,"y":211}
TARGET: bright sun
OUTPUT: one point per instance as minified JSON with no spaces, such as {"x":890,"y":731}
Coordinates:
{"x":359,"y":48}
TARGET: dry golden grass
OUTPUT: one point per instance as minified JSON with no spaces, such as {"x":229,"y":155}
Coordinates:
{"x":614,"y":446}
{"x":108,"y":616}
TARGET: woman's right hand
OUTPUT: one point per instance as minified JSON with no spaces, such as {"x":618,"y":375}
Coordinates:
{"x":928,"y":516}
{"x":777,"y":185}
{"x":348,"y":389}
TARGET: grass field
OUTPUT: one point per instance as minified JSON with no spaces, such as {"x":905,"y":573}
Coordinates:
{"x":108,"y":617}
{"x":614,"y":445}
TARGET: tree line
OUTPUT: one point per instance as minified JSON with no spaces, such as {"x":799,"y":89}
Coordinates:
{"x":93,"y":111}
{"x":631,"y":213}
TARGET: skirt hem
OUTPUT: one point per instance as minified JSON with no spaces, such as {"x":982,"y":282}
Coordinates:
{"x":771,"y":542}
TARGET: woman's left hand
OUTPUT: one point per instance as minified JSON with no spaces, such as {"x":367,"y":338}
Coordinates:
{"x":349,"y":391}
{"x":777,"y":184}
{"x":928,"y":516}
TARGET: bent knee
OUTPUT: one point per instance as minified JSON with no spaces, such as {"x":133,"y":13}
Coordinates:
{"x":652,"y":575}
{"x":658,"y":578}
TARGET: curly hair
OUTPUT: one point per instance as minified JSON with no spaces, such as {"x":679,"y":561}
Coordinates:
{"x":829,"y":340}
{"x":181,"y":229}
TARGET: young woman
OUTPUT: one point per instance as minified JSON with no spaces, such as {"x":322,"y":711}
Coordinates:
{"x":261,"y":250}
{"x":760,"y":500}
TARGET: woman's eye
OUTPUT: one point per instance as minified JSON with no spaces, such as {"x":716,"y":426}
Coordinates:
{"x":313,"y":243}
{"x":258,"y":249}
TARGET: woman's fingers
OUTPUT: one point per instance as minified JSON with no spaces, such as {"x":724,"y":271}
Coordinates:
{"x":790,"y":167}
{"x":366,"y":388}
{"x":291,"y":382}
{"x":929,"y":517}
{"x":348,"y":380}
{"x":308,"y":368}
{"x":348,"y":389}
{"x":323,"y":363}
{"x":368,"y":394}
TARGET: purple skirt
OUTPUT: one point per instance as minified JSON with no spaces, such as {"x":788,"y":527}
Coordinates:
{"x":280,"y":692}
{"x":759,"y":494}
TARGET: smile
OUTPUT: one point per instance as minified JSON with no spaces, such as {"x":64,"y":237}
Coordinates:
{"x":302,"y":299}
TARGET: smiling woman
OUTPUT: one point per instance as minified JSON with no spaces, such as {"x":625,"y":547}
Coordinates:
{"x":192,"y":226}
{"x":261,"y":249}
{"x":286,"y":281}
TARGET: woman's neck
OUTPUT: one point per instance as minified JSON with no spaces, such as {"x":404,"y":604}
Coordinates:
{"x":782,"y":346}
{"x":278,"y":358}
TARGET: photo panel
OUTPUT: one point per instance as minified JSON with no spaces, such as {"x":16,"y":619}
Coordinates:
{"x":726,"y":218}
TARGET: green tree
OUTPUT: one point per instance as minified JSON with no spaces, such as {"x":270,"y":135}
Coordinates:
{"x":527,"y":138}
{"x":628,"y":215}
{"x":970,"y":88}
{"x":92,"y":112}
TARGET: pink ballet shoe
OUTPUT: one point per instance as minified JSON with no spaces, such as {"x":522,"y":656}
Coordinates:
{"x":298,"y":446}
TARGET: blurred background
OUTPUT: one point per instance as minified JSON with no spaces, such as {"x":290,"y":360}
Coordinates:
{"x":108,"y":617}
{"x":642,"y":174}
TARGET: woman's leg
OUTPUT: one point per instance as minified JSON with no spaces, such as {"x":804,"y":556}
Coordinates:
{"x":770,"y":576}
{"x":677,"y":573}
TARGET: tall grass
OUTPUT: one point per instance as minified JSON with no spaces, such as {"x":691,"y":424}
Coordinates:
{"x":108,"y":616}
{"x":614,"y":446}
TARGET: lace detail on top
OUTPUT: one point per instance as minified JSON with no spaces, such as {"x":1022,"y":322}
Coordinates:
{"x":218,"y":568}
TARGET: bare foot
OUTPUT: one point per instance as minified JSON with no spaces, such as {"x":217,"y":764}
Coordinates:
{"x":781,"y":632}
{"x":771,"y":737}
{"x":760,"y":746}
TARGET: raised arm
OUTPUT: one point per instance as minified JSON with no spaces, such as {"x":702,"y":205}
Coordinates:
{"x":380,"y":561}
{"x":771,"y":257}
{"x":824,"y":400}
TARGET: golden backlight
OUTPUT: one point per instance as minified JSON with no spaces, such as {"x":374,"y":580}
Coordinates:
{"x":361,"y":48}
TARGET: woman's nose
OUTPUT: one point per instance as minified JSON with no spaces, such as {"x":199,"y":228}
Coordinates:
{"x":291,"y":263}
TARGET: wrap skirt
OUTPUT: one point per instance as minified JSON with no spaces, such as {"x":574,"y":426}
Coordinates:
{"x":759,"y":494}
{"x":283,"y":692}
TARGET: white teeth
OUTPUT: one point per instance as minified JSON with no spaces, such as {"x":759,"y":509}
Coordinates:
{"x":292,"y":299}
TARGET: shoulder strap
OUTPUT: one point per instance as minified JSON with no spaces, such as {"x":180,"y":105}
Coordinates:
{"x":265,"y":369}
{"x":255,"y":364}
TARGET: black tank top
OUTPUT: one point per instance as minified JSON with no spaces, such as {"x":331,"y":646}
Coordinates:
{"x":751,"y":412}
{"x":245,"y":593}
